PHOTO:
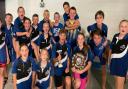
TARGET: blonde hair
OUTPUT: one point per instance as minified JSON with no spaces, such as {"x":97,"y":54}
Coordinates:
{"x":42,"y":50}
{"x":46,"y":11}
{"x":124,"y":20}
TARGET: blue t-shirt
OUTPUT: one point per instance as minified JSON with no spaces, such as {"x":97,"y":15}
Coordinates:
{"x":98,"y":50}
{"x":55,"y":31}
{"x":119,"y":46}
{"x":65,"y":52}
{"x":43,"y":75}
{"x":23,"y":71}
{"x":23,"y":39}
{"x":93,"y":27}
{"x":89,"y":56}
{"x":44,"y":43}
{"x":10,"y":33}
{"x":3,"y":55}
{"x":18,"y":24}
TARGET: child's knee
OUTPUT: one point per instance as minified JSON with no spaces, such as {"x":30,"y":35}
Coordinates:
{"x":1,"y":72}
{"x":77,"y":83}
{"x":33,"y":45}
{"x":68,"y":81}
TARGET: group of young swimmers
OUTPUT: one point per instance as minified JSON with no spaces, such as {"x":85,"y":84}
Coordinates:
{"x":48,"y":55}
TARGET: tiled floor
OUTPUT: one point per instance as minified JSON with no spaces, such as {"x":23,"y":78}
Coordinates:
{"x":95,"y":81}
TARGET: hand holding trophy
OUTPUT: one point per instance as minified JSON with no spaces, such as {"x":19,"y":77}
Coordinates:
{"x":57,"y":60}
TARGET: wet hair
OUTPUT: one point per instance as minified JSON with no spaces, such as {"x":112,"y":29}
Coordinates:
{"x":8,"y":14}
{"x":26,"y":19}
{"x":63,"y":31}
{"x":100,"y":12}
{"x":97,"y":32}
{"x":20,"y":8}
{"x":66,"y":3}
{"x":35,"y":15}
{"x":72,"y":8}
{"x":124,"y":20}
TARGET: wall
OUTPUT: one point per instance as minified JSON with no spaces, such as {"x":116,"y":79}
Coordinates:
{"x":115,"y":10}
{"x":2,"y":10}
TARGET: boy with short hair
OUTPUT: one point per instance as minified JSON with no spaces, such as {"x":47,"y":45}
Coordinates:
{"x":61,"y":54}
